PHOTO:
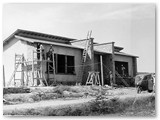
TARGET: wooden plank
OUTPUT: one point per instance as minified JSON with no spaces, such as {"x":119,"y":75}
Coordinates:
{"x":33,"y":67}
{"x":4,"y":77}
{"x":92,"y":54}
{"x":22,"y":68}
{"x":101,"y":61}
{"x":113,"y":64}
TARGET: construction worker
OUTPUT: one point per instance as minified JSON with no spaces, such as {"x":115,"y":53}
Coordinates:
{"x":123,"y":70}
{"x":42,"y":51}
{"x":50,"y":52}
{"x":111,"y":78}
{"x":38,"y":51}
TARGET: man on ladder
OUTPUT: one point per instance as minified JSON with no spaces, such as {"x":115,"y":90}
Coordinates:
{"x":50,"y":63}
{"x":41,"y":57}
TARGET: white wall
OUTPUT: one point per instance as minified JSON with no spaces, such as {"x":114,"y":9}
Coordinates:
{"x":9,"y":50}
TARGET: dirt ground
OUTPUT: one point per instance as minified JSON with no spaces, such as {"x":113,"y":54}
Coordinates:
{"x":74,"y":95}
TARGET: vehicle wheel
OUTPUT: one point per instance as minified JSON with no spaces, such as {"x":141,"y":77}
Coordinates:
{"x":150,"y":91}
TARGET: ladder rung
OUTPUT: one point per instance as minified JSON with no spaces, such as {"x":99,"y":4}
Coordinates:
{"x":18,"y":55}
{"x":18,"y":71}
{"x":36,"y":52}
{"x":19,"y":63}
{"x":17,"y":79}
{"x":17,"y":60}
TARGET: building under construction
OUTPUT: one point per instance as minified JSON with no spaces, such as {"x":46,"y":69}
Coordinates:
{"x":38,"y":59}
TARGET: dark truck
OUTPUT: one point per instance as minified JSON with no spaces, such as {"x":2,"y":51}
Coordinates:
{"x":145,"y":82}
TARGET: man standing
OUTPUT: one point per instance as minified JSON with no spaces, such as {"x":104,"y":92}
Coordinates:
{"x":111,"y":78}
{"x":123,"y":70}
{"x":42,"y":51}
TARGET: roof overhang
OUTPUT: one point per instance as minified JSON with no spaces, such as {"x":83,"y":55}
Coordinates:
{"x":38,"y":35}
{"x":37,"y":40}
{"x":45,"y":42}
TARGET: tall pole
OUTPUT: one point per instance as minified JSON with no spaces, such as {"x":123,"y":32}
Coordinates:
{"x":102,"y":81}
{"x":113,"y":64}
{"x":3,"y":77}
{"x":41,"y":67}
{"x":33,"y":67}
{"x":22,"y":72}
{"x":92,"y":54}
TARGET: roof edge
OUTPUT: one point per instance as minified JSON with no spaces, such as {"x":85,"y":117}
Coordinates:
{"x":20,"y":30}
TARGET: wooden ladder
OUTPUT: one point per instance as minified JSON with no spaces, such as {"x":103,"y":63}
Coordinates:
{"x":84,"y":56}
{"x":19,"y":60}
{"x":51,"y":71}
{"x":37,"y":69}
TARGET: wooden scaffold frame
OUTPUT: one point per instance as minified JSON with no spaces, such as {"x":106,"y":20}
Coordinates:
{"x":36,"y":70}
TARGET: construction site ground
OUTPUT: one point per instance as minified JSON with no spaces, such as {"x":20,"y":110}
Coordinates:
{"x":80,"y":101}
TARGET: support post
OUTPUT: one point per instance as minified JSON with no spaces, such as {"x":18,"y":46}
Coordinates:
{"x":22,"y":72}
{"x":41,"y":67}
{"x":14,"y":69}
{"x":134,"y":66}
{"x":113,"y":64}
{"x":33,"y":67}
{"x":92,"y":54}
{"x":3,"y":77}
{"x":54,"y":72}
{"x":102,"y":81}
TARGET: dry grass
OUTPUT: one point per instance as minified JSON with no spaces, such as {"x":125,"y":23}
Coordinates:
{"x":96,"y":107}
{"x":50,"y":93}
{"x":29,"y":97}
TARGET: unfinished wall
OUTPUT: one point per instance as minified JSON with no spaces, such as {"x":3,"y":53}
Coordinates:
{"x":134,"y":66}
{"x":89,"y":64}
{"x":97,"y":62}
{"x":15,"y":46}
{"x":77,"y":53}
{"x":107,"y":66}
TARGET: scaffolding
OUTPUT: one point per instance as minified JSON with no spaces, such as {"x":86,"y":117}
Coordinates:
{"x":32,"y":72}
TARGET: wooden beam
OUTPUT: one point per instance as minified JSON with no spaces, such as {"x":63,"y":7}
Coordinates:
{"x":22,"y":71}
{"x":92,"y":54}
{"x":3,"y":77}
{"x":33,"y":67}
{"x":101,"y":61}
{"x":113,"y":64}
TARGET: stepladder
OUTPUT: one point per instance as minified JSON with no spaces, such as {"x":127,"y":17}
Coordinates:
{"x":93,"y":78}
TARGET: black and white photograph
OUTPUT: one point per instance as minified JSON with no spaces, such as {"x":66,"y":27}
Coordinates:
{"x":79,"y":59}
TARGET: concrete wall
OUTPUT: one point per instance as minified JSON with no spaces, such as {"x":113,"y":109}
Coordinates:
{"x":107,"y":66}
{"x":126,"y":59}
{"x":134,"y":66}
{"x":16,"y":46}
{"x":107,"y":61}
{"x":23,"y":47}
{"x":77,"y":53}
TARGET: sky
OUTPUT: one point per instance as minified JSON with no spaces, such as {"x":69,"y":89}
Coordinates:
{"x":131,"y":26}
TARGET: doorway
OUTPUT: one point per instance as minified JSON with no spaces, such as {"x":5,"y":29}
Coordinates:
{"x":122,"y":68}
